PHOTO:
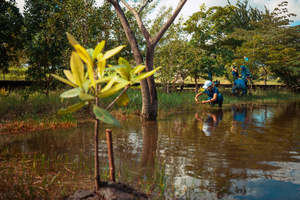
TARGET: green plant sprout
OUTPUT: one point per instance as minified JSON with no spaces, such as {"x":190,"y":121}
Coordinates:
{"x":93,"y":79}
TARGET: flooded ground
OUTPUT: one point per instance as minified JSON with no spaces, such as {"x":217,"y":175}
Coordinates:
{"x":241,"y":152}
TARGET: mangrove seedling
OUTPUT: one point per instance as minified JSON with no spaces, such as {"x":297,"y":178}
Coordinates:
{"x":92,"y":79}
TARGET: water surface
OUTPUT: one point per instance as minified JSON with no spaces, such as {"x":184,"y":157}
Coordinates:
{"x":241,"y":152}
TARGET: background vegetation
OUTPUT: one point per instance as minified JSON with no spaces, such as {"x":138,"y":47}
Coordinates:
{"x":208,"y":42}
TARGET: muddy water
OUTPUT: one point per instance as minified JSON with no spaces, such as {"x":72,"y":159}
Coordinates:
{"x":240,"y":152}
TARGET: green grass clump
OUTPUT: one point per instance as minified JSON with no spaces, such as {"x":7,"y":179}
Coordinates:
{"x":24,"y":104}
{"x":176,"y":100}
{"x":261,"y":96}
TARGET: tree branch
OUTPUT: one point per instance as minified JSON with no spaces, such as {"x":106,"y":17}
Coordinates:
{"x":143,"y":6}
{"x":128,"y":32}
{"x":169,"y":22}
{"x":139,"y":21}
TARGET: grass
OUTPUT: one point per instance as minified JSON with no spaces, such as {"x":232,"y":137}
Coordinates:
{"x":23,"y":111}
{"x":35,"y":176}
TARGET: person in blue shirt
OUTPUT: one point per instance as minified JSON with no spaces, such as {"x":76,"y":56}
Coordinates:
{"x":239,"y":85}
{"x":245,"y":73}
{"x":214,"y":96}
{"x":235,"y":72}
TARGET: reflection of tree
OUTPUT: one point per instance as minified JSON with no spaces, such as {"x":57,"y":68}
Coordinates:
{"x":150,"y":136}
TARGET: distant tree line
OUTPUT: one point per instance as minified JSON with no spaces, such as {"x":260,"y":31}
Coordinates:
{"x":208,"y":43}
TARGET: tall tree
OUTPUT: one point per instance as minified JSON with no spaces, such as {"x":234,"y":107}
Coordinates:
{"x":273,"y":46}
{"x":47,"y":23}
{"x":11,"y":23}
{"x":46,"y":40}
{"x":210,"y":29}
{"x":148,"y":88}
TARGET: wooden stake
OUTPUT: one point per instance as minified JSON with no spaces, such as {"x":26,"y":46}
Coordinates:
{"x":110,"y":155}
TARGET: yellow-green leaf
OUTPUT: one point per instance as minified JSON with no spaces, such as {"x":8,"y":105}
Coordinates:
{"x":138,"y":69}
{"x":86,"y":97}
{"x":77,"y":69}
{"x":113,"y":52}
{"x":86,"y":85}
{"x":69,"y":75}
{"x":108,"y":85}
{"x":72,"y":108}
{"x":123,"y":71}
{"x":71,"y":93}
{"x":84,"y":55}
{"x":105,"y":116}
{"x":112,"y":90}
{"x":71,"y":39}
{"x":123,"y":61}
{"x":101,"y":67}
{"x":145,"y":75}
{"x":98,"y":49}
{"x":104,"y":80}
{"x":64,"y":80}
{"x":123,"y":100}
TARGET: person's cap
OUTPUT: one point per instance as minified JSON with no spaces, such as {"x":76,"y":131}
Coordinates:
{"x":207,"y":84}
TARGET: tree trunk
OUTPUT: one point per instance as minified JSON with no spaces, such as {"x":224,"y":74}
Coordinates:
{"x":196,"y":85}
{"x":265,"y":81}
{"x":148,"y":88}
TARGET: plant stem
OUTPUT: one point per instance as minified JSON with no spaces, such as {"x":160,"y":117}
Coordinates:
{"x":96,"y":156}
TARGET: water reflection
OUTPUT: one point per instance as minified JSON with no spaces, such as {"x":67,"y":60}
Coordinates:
{"x":244,"y":152}
{"x":207,"y":121}
{"x":150,"y":137}
{"x":241,"y":118}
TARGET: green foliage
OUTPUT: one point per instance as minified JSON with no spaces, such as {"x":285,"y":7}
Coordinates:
{"x":211,"y":30}
{"x":105,"y":116}
{"x":46,"y":23}
{"x":98,"y":83}
{"x":11,"y":41}
{"x":273,"y":47}
{"x":45,"y":42}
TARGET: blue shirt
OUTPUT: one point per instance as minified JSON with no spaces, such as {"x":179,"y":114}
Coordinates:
{"x":245,"y":72}
{"x":235,"y":73}
{"x":210,"y":94}
{"x":240,"y":83}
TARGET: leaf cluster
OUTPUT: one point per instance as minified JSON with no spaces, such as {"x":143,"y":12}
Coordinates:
{"x":92,"y":78}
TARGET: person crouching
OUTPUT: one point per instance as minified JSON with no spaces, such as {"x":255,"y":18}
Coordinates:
{"x":214,"y":96}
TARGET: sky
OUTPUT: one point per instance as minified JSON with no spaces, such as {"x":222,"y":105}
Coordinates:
{"x":192,"y":6}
